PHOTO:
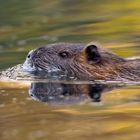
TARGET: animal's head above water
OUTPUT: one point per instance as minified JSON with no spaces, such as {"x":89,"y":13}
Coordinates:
{"x":83,"y":61}
{"x":61,"y":56}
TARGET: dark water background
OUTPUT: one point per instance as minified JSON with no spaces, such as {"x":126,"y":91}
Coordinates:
{"x":25,"y":25}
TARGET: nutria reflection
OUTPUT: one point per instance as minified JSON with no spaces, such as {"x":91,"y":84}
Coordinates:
{"x":67,"y":93}
{"x":86,"y":62}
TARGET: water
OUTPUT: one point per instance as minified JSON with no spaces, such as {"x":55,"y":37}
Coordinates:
{"x":68,"y":110}
{"x":73,"y":115}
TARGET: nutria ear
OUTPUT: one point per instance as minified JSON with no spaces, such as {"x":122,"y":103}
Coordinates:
{"x":92,"y":54}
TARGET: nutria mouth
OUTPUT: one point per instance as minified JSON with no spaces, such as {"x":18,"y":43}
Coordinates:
{"x":86,"y":62}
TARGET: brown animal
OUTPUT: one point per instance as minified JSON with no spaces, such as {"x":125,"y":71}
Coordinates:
{"x":86,"y":62}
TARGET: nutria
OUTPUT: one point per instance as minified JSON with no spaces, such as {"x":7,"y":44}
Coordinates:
{"x":86,"y":62}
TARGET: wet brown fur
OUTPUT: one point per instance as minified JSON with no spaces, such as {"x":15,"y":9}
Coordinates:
{"x":111,"y":66}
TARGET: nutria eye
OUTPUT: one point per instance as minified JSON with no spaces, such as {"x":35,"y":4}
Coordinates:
{"x":64,"y":54}
{"x":29,"y":56}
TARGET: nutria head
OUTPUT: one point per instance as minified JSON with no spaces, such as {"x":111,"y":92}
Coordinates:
{"x":82,"y":61}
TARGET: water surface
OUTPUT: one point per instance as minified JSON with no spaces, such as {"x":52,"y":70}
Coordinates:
{"x":117,"y":115}
{"x":63,"y":113}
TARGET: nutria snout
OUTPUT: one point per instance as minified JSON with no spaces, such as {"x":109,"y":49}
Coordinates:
{"x":86,"y":62}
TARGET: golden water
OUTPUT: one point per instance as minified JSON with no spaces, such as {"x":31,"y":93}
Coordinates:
{"x":25,"y":25}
